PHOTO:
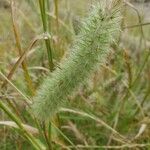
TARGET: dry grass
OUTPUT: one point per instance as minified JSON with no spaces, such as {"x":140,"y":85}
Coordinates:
{"x":110,"y":111}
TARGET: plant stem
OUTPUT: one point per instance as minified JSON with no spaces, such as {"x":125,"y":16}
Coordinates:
{"x":33,"y":141}
{"x":18,"y":44}
{"x":45,"y":7}
{"x":56,"y":13}
{"x":43,"y":10}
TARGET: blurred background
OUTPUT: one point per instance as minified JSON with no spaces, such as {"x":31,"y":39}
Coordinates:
{"x":111,"y":110}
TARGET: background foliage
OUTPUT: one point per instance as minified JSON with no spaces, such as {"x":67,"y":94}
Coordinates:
{"x":110,"y":111}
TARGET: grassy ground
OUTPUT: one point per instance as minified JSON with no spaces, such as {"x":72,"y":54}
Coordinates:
{"x":110,"y":111}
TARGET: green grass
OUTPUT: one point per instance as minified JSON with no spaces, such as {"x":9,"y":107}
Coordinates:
{"x":109,"y":111}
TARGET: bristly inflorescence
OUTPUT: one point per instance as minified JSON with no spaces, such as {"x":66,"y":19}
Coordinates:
{"x":89,"y":50}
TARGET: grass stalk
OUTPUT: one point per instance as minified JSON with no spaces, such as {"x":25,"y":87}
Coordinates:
{"x":43,"y":10}
{"x":18,"y":44}
{"x":32,"y":140}
{"x":56,"y":13}
{"x":47,"y":136}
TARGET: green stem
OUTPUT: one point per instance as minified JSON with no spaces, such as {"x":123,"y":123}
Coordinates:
{"x":33,"y":141}
{"x":43,"y":10}
{"x":45,"y":7}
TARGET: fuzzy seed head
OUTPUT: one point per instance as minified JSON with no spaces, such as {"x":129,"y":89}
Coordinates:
{"x":89,"y":50}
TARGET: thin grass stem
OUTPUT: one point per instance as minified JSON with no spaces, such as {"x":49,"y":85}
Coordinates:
{"x":43,"y":11}
{"x":32,"y":140}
